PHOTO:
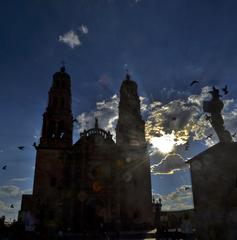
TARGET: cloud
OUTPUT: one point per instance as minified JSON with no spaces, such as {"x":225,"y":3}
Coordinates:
{"x":20,"y":179}
{"x":106,"y":112}
{"x":84,"y":29}
{"x":178,"y":117}
{"x":70,"y":38}
{"x":169,"y":164}
{"x":10,"y":194}
{"x":180,"y":199}
{"x":173,"y":93}
{"x":9,"y":191}
{"x":185,"y":119}
{"x":179,"y":121}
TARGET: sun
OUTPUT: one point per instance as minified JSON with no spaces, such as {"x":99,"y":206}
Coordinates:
{"x":165,"y":144}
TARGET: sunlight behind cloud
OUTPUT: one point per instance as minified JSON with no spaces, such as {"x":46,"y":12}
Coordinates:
{"x":165,"y":144}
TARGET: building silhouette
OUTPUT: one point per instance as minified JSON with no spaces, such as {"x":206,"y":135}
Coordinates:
{"x":214,"y":180}
{"x":214,"y":184}
{"x":95,"y":180}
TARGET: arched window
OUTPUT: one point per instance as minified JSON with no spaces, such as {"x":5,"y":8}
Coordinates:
{"x":53,"y":182}
{"x":57,"y":83}
{"x":62,"y":103}
{"x":60,"y":130}
{"x":51,"y":129}
{"x":55,"y":101}
{"x":63,"y":84}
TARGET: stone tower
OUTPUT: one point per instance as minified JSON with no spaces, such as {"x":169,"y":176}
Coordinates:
{"x":52,"y":173}
{"x":57,"y":120}
{"x":135,"y":181}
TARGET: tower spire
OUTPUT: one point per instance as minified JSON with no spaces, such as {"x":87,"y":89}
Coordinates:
{"x":128,"y":77}
{"x":96,"y":123}
{"x":63,"y":69}
{"x":57,"y":120}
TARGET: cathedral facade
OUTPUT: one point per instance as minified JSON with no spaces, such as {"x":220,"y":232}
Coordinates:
{"x":96,"y":179}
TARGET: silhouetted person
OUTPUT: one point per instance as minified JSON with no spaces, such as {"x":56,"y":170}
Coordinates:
{"x":30,"y":225}
{"x":2,"y":227}
{"x":186,"y":228}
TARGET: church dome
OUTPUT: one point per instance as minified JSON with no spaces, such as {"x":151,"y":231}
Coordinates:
{"x":95,"y":137}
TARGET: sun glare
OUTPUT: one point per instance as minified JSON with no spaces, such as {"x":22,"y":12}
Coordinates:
{"x":165,"y":144}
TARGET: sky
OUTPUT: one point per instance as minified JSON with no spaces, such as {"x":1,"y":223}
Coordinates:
{"x":164,"y":44}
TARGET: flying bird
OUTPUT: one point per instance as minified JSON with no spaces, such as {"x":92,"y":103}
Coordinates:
{"x":225,"y":90}
{"x":21,"y":147}
{"x":209,"y":136}
{"x":34,"y":145}
{"x":4,"y":167}
{"x":11,"y":206}
{"x":194,"y":82}
{"x":208,"y":118}
{"x":75,"y":120}
{"x":233,"y":135}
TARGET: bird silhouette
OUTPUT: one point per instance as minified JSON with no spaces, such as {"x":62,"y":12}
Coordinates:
{"x":225,"y":90}
{"x":208,"y":118}
{"x":21,"y":147}
{"x":34,"y":145}
{"x":194,"y":82}
{"x":11,"y":206}
{"x":4,"y":167}
{"x":233,"y":135}
{"x":209,"y":136}
{"x":75,"y":120}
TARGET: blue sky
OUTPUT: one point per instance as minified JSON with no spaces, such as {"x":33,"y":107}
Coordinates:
{"x":165,"y":44}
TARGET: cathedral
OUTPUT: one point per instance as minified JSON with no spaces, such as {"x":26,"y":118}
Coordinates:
{"x":77,"y":185}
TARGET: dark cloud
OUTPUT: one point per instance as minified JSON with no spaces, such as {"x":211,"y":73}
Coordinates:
{"x":169,"y":164}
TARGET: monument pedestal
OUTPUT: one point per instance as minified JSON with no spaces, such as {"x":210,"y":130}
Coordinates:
{"x":214,"y":181}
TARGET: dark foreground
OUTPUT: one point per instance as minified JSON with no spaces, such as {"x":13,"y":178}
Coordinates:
{"x":11,"y":235}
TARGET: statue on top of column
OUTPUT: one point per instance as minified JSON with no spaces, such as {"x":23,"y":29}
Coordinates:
{"x":214,"y":108}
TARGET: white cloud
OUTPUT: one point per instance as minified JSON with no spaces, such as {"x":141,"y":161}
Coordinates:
{"x":70,"y":38}
{"x":106,"y":112}
{"x":169,"y":164}
{"x":9,"y":191}
{"x":20,"y":179}
{"x":180,"y":199}
{"x":84,"y":29}
{"x":10,"y":194}
{"x":186,"y":119}
{"x":182,"y":121}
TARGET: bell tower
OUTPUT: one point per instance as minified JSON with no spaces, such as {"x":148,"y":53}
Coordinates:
{"x":51,"y":190}
{"x":135,"y":181}
{"x":57,"y":120}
